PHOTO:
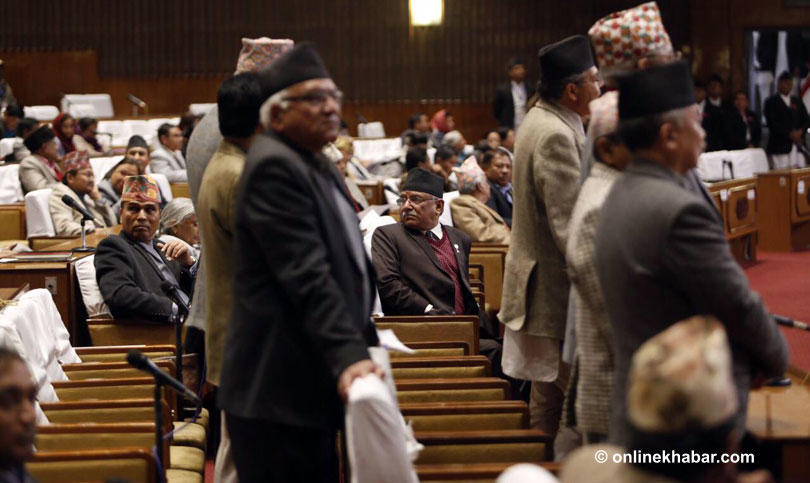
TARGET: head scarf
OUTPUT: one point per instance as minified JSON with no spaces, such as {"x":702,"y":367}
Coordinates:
{"x":67,"y":143}
{"x":257,"y":54}
{"x":469,"y":175}
{"x":439,"y":121}
{"x":175,"y":211}
{"x":141,"y":188}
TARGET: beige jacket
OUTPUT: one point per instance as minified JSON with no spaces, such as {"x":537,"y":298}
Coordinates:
{"x":594,"y":350}
{"x":478,"y":220}
{"x":67,"y":221}
{"x":35,"y":174}
{"x":216,"y":214}
{"x":546,"y":184}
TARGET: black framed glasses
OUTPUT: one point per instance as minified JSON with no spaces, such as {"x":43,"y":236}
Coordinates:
{"x":415,"y":200}
{"x":317,"y":97}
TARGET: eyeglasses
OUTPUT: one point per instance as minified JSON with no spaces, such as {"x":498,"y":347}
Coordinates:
{"x":415,"y":200}
{"x":317,"y":98}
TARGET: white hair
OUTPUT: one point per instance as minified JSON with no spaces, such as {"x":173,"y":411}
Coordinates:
{"x":451,"y":138}
{"x":276,"y":99}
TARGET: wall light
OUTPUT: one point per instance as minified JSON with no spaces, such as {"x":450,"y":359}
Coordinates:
{"x":425,"y":13}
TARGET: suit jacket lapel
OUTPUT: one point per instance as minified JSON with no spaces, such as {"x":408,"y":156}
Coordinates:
{"x":421,"y":240}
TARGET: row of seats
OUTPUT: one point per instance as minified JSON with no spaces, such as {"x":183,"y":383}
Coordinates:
{"x":93,"y":404}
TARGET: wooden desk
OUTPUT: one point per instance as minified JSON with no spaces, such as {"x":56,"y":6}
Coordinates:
{"x":58,"y":277}
{"x":779,"y":416}
{"x":785,"y":210}
{"x":180,"y":190}
{"x":738,"y":201}
{"x":12,"y":221}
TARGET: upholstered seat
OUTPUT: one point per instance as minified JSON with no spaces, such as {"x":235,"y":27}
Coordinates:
{"x":189,"y":434}
{"x":187,"y":458}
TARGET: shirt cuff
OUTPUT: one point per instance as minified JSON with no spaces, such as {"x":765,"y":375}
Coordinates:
{"x":428,"y":308}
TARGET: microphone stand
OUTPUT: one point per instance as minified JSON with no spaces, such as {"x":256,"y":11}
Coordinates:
{"x":84,"y":248}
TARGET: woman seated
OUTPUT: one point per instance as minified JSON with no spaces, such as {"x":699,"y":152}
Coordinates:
{"x":24,"y":128}
{"x":64,"y":126}
{"x":441,"y":124}
{"x":470,"y":212}
{"x":79,"y":184}
{"x":85,"y":139}
{"x":178,"y":221}
{"x":113,"y":183}
{"x":42,"y":168}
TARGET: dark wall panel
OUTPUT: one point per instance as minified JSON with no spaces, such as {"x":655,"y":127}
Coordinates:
{"x":373,"y":53}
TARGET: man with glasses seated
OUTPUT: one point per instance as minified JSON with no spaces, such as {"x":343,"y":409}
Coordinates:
{"x":18,"y":418}
{"x":422,"y":265}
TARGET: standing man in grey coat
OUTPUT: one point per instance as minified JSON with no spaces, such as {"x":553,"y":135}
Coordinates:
{"x":546,"y":183}
{"x":661,"y":254}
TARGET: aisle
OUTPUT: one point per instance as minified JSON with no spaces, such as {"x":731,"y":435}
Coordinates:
{"x":783,"y":280}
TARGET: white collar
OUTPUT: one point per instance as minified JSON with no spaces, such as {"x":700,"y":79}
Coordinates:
{"x":437,"y":230}
{"x":786,"y":99}
{"x":716,"y":103}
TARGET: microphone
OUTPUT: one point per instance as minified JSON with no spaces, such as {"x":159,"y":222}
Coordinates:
{"x":136,"y":101}
{"x":171,"y":290}
{"x":66,"y":199}
{"x":361,"y":118}
{"x":139,"y":361}
{"x":787,"y":322}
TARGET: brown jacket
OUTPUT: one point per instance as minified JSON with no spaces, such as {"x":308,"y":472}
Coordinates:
{"x":479,"y":221}
{"x":216,"y":214}
{"x":546,"y":184}
{"x":67,"y":221}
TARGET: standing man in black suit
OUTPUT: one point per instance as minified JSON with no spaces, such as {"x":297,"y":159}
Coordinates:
{"x":132,"y":266}
{"x":742,"y":126}
{"x":787,"y":122}
{"x":497,"y":165}
{"x":300,"y":326}
{"x":509,"y":106}
{"x":714,"y":113}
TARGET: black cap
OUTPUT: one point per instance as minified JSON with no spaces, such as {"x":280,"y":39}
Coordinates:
{"x":424,"y":182}
{"x":565,"y":58}
{"x":15,"y":110}
{"x":137,"y":141}
{"x":513,"y":62}
{"x":656,"y":90}
{"x":37,"y":138}
{"x":785,"y":76}
{"x":299,"y":64}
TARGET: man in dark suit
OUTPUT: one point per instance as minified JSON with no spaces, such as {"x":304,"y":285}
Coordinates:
{"x":714,"y":113}
{"x":742,"y":127}
{"x":787,"y":121}
{"x":300,"y":326}
{"x":661,"y":254}
{"x":422,"y":265}
{"x":509,"y":105}
{"x":497,"y":165}
{"x":131,"y":266}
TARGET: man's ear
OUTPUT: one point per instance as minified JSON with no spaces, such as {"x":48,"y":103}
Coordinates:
{"x":440,"y":206}
{"x":571,"y":92}
{"x":667,"y":135}
{"x":276,"y":117}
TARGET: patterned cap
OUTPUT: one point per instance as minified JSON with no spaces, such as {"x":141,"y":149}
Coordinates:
{"x":142,"y":189}
{"x":257,"y":54}
{"x":469,"y":174}
{"x":681,"y":379}
{"x":622,"y":38}
{"x":77,"y":160}
{"x":604,"y":115}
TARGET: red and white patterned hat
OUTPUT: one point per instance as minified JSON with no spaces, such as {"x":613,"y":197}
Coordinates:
{"x":77,"y":161}
{"x":622,"y":38}
{"x":258,"y":53}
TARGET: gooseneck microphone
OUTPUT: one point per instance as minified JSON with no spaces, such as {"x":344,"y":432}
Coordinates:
{"x":66,"y":199}
{"x":171,"y":290}
{"x":139,"y":361}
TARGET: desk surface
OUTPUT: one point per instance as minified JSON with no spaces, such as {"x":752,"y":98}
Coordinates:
{"x":780,"y":413}
{"x":93,"y":239}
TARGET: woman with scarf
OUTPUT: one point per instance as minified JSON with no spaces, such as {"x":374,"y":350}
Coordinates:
{"x":85,"y":139}
{"x":441,"y":123}
{"x":64,"y":126}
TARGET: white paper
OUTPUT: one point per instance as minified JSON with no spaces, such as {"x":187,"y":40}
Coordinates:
{"x":800,"y":187}
{"x":752,"y":194}
{"x":724,"y":195}
{"x":389,"y":341}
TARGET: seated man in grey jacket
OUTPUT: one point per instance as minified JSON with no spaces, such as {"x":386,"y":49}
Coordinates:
{"x":79,"y":183}
{"x":167,"y":158}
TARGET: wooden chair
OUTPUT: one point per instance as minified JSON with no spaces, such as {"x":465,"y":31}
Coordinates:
{"x":180,"y":190}
{"x":373,"y":191}
{"x":136,"y":465}
{"x":491,"y":446}
{"x":430,"y":328}
{"x":441,"y":367}
{"x":476,"y":271}
{"x":493,"y":258}
{"x":119,"y":353}
{"x":472,"y":472}
{"x":451,"y":390}
{"x":110,"y":370}
{"x":434,"y":349}
{"x":459,"y":416}
{"x":12,"y":221}
{"x":111,"y":332}
{"x":110,"y":411}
